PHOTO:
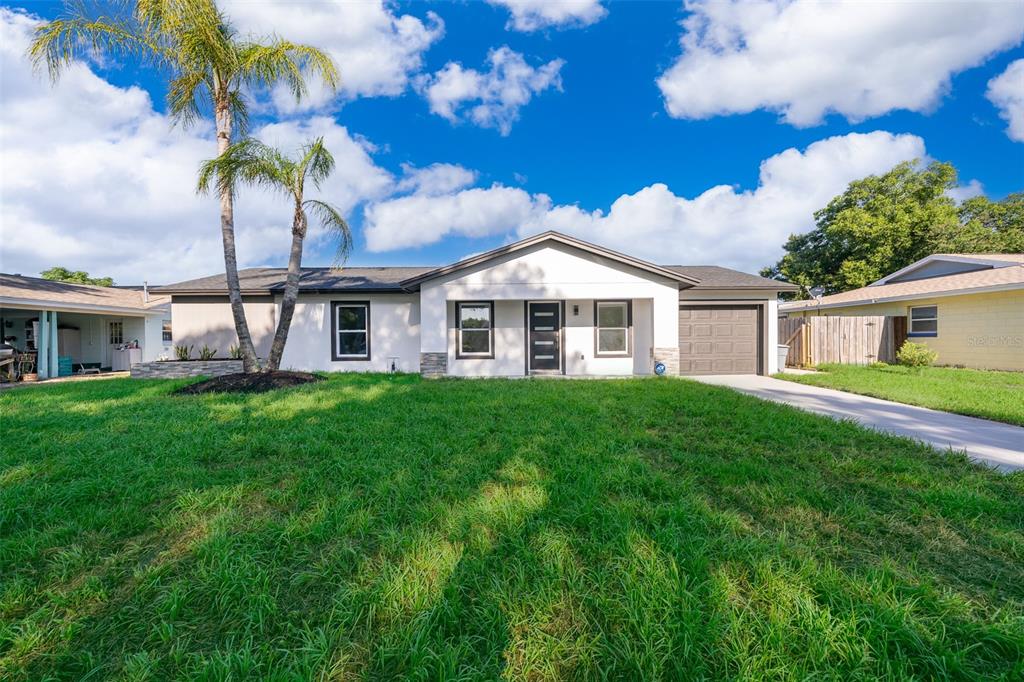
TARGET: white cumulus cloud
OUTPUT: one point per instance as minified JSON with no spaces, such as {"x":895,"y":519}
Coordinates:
{"x":375,"y":49}
{"x":111,"y":189}
{"x":493,"y":98}
{"x":1006,"y":91}
{"x":722,"y":225}
{"x":437,"y":178}
{"x":532,"y":15}
{"x":807,"y":59}
{"x":418,"y":220}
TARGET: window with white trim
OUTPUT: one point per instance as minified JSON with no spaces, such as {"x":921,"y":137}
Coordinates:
{"x":351,"y":330}
{"x":612,"y":323}
{"x":475,"y":329}
{"x":116,"y":333}
{"x":166,"y":331}
{"x":924,"y":321}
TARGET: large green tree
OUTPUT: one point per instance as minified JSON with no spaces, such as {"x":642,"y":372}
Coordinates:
{"x":61,"y":274}
{"x":253,"y":163}
{"x":885,"y":222}
{"x":208,"y":66}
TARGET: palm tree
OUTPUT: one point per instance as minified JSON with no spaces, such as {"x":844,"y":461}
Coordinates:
{"x":251,"y":162}
{"x":208,"y":66}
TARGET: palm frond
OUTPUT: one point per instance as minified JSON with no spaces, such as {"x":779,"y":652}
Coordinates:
{"x":239,"y":114}
{"x":317,"y":162}
{"x":330,"y":218}
{"x":248,"y":162}
{"x":261,"y":65}
{"x":185,"y":95}
{"x":59,"y":42}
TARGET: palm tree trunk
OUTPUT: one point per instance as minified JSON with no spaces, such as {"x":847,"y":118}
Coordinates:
{"x":227,"y":232}
{"x":291,"y":288}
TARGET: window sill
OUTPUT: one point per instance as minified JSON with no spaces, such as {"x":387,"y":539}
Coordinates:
{"x":922,"y":335}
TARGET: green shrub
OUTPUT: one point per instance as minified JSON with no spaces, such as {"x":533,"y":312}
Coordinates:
{"x":235,"y":352}
{"x":183,"y":352}
{"x":913,"y":354}
{"x":207,"y":353}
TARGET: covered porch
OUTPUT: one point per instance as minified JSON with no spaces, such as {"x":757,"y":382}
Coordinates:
{"x":572,"y":337}
{"x":503,"y":337}
{"x":549,"y":304}
{"x":52,"y":343}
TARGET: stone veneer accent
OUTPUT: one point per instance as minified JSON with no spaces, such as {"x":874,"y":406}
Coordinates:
{"x":670,"y":356}
{"x":433,"y":364}
{"x":179,"y":369}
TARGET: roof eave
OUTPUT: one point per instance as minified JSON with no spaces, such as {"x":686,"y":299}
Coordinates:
{"x":70,"y":307}
{"x":792,"y":307}
{"x":412,"y":284}
{"x":781,"y":286}
{"x":280,"y":290}
{"x":950,"y":257}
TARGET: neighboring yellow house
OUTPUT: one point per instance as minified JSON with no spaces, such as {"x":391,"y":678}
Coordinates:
{"x":969,"y":308}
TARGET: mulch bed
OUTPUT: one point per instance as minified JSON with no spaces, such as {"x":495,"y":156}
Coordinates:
{"x":260,"y":382}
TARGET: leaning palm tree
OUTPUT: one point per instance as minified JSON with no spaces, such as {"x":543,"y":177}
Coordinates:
{"x":208,"y":66}
{"x":251,"y":162}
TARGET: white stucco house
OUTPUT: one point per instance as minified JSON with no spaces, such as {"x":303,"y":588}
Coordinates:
{"x":549,"y":304}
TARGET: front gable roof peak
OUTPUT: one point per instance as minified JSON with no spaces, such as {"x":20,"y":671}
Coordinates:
{"x":552,"y":237}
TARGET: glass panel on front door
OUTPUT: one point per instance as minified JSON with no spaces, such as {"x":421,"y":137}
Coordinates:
{"x":545,"y":336}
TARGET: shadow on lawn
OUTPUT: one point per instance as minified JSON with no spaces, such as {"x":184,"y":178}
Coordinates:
{"x":379,"y":527}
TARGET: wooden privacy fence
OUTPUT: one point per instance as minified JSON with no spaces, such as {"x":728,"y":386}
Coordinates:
{"x":846,"y":340}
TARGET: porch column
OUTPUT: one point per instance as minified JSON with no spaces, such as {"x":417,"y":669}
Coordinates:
{"x":54,"y":363}
{"x":43,"y":345}
{"x":666,"y":329}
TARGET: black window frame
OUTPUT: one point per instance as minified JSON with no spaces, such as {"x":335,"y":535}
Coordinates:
{"x":458,"y":331}
{"x":910,"y":322}
{"x":335,"y":357}
{"x":629,"y":329}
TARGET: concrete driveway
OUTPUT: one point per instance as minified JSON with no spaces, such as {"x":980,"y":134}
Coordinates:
{"x":992,"y":443}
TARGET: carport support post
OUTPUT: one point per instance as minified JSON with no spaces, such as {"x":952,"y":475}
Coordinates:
{"x":43,"y":346}
{"x":54,"y":364}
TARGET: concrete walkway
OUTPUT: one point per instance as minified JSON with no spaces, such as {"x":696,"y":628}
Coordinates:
{"x":992,"y":443}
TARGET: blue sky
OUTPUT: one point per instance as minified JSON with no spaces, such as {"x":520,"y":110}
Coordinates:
{"x":582,"y":124}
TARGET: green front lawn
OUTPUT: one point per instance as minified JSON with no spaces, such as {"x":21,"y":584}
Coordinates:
{"x":978,"y":393}
{"x":380,"y":527}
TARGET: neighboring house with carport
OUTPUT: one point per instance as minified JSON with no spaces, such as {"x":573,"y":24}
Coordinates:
{"x":81,"y":322}
{"x":969,"y":308}
{"x":549,"y":304}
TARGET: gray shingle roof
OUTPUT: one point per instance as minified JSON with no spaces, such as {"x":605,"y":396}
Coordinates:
{"x":717,"y":277}
{"x":270,"y":280}
{"x":22,"y":289}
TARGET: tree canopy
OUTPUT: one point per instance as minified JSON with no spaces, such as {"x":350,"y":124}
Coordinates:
{"x":885,"y":222}
{"x":59,"y":274}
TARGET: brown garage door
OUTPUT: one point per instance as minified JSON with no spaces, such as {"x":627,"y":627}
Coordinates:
{"x":718,"y":339}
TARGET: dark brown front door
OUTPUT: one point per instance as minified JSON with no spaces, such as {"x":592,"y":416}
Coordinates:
{"x":544,"y":321}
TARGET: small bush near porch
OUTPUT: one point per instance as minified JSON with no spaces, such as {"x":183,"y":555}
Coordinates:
{"x":384,"y":526}
{"x":976,"y":393}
